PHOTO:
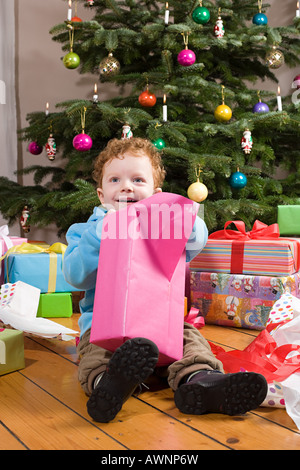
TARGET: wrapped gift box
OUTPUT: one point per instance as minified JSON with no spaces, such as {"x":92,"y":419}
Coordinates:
{"x":288,"y":219}
{"x":11,"y":350}
{"x":239,"y":300}
{"x":55,"y":305}
{"x":231,"y":251}
{"x":42,"y":270}
{"x":6,"y":243}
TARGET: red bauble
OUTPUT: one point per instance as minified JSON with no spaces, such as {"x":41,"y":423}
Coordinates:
{"x":297,"y":82}
{"x":147,"y":99}
{"x":76,"y":19}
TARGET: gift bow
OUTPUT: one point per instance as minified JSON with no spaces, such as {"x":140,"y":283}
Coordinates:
{"x":53,"y":250}
{"x":259,"y":231}
{"x":262,"y":356}
{"x":4,"y":232}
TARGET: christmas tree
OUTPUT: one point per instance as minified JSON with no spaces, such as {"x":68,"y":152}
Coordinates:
{"x":188,"y":67}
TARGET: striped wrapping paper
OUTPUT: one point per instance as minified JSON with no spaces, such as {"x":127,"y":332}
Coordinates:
{"x":280,"y":257}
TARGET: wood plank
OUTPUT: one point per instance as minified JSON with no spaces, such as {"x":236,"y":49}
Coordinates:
{"x":8,"y":441}
{"x":247,"y":432}
{"x":43,"y":423}
{"x":138,"y":426}
{"x":234,"y":432}
{"x":239,"y":339}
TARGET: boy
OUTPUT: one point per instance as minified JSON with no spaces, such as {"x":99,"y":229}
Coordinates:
{"x":128,"y":171}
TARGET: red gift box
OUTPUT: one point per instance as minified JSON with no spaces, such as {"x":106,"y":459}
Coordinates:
{"x":259,"y":252}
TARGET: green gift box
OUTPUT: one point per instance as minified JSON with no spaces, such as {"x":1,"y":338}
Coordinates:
{"x":55,"y":305}
{"x":289,"y":220}
{"x":11,"y":350}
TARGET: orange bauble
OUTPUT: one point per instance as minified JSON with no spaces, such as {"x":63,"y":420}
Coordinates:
{"x":76,"y":19}
{"x":147,"y":99}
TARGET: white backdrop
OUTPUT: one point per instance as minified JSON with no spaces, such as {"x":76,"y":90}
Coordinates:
{"x":8,"y":124}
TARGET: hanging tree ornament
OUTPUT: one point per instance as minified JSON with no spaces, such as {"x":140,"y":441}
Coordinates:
{"x":296,"y":82}
{"x":219,"y":29}
{"x":34,"y":148}
{"x":71,"y":60}
{"x":25,"y":220}
{"x":275,"y":58}
{"x":247,"y":142}
{"x":126,"y":132}
{"x":146,"y":98}
{"x":51,"y":146}
{"x":159,"y":143}
{"x":75,"y":18}
{"x":197,"y":191}
{"x":201,"y":15}
{"x":82,"y":142}
{"x":90,"y":2}
{"x":238,"y":180}
{"x":260,"y":19}
{"x":186,"y":57}
{"x":109,"y":66}
{"x":223,"y":112}
{"x":260,"y":107}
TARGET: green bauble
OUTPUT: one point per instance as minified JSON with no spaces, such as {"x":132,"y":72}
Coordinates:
{"x":159,"y":144}
{"x":71,"y":60}
{"x":201,"y":15}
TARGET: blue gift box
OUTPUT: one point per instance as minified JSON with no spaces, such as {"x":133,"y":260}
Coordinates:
{"x":37,"y":270}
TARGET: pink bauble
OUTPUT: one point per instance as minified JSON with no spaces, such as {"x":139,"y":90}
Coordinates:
{"x":186,"y":57}
{"x":297,"y":80}
{"x":82,"y":142}
{"x":34,"y":148}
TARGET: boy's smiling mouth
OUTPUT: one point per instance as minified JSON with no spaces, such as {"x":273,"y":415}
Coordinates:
{"x":126,"y":200}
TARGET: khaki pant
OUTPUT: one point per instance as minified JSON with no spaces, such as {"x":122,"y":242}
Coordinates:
{"x":197,"y":355}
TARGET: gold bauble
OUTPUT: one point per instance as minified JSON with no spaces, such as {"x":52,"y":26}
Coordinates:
{"x":274,"y":59}
{"x":197,"y":192}
{"x":223,"y":113}
{"x":109,"y":66}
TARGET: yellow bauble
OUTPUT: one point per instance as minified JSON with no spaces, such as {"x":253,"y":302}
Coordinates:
{"x":223,"y":113}
{"x":197,"y":192}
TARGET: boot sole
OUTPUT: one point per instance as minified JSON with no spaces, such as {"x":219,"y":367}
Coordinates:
{"x":235,"y":394}
{"x":129,"y":366}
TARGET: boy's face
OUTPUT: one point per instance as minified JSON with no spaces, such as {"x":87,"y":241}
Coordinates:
{"x":126,"y":180}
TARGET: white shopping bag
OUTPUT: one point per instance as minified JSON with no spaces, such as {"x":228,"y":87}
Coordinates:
{"x":18,"y":308}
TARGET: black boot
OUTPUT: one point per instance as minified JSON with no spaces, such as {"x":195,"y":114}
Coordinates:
{"x":129,"y":366}
{"x":210,"y":391}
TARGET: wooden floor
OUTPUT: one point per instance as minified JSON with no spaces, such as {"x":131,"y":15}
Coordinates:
{"x":42,"y":407}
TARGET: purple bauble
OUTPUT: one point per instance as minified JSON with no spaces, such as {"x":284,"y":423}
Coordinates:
{"x":186,"y":57}
{"x":34,"y":148}
{"x":82,"y":142}
{"x":260,"y":108}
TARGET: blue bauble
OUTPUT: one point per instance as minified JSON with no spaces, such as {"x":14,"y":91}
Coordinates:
{"x":260,"y":107}
{"x":238,"y":180}
{"x":260,"y":19}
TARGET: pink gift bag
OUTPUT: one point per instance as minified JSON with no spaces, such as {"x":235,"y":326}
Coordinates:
{"x":141,"y":274}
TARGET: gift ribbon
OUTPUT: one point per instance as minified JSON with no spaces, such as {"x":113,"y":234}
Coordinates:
{"x":193,"y":318}
{"x":4,"y":232}
{"x":261,"y":356}
{"x":260,"y":231}
{"x":52,"y":250}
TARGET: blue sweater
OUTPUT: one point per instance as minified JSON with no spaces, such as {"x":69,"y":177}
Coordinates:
{"x":82,"y":255}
